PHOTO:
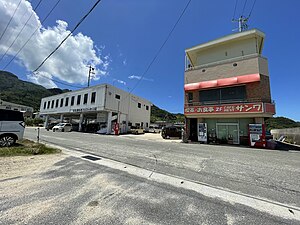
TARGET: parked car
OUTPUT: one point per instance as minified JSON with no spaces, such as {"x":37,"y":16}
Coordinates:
{"x":63,"y":127}
{"x":171,"y":131}
{"x":50,"y":126}
{"x":136,"y":130}
{"x":154,"y":129}
{"x":12,"y":127}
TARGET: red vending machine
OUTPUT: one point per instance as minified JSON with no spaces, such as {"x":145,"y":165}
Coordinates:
{"x":257,"y":135}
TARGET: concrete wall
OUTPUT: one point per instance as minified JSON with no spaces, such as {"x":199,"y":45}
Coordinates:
{"x":227,"y":51}
{"x":244,"y":67}
{"x":293,"y":134}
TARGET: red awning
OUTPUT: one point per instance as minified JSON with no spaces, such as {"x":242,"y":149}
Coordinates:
{"x":223,"y":82}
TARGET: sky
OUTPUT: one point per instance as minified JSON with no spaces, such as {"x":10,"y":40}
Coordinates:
{"x":120,"y":38}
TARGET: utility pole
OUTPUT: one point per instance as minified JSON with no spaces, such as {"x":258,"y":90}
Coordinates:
{"x":242,"y":23}
{"x":91,"y":71}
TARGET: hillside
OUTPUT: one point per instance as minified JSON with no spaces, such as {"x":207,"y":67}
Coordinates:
{"x":158,"y":114}
{"x":22,"y":92}
{"x":280,"y":123}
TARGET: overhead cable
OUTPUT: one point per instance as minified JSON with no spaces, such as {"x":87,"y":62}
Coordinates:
{"x":10,"y":20}
{"x":77,"y":25}
{"x":20,"y":30}
{"x":244,"y":7}
{"x":233,"y":17}
{"x":31,"y":36}
{"x":252,"y":8}
{"x":162,"y":46}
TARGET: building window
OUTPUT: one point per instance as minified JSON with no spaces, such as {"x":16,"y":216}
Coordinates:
{"x":147,"y":107}
{"x":93,"y":99}
{"x":117,"y":96}
{"x":139,"y":105}
{"x":85,"y":98}
{"x":48,"y":105}
{"x":45,"y":104}
{"x":223,"y":95}
{"x":61,"y":102}
{"x":52,"y":104}
{"x":56,"y":103}
{"x":72,"y":100}
{"x":190,"y":97}
{"x":78,"y":99}
{"x":67,"y":101}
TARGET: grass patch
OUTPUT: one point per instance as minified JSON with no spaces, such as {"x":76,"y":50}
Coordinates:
{"x":27,"y":147}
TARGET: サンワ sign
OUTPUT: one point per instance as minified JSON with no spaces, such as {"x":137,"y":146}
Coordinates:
{"x":228,"y":108}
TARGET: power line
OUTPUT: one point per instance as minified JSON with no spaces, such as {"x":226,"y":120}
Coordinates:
{"x":161,"y":47}
{"x":10,"y":20}
{"x":233,"y":17}
{"x":252,"y":9}
{"x":31,"y":36}
{"x":244,"y":7}
{"x":77,"y":25}
{"x":56,"y":81}
{"x":20,"y":30}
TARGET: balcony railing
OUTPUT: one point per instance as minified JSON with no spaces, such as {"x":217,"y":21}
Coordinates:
{"x":231,"y":101}
{"x":189,"y":67}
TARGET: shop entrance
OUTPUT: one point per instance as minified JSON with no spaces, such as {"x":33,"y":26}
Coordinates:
{"x":228,"y":133}
{"x":193,"y":129}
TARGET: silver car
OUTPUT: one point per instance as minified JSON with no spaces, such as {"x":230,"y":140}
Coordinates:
{"x":63,"y":127}
{"x":11,"y":127}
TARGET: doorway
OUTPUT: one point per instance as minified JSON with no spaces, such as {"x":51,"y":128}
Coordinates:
{"x":228,"y":133}
{"x":193,"y":129}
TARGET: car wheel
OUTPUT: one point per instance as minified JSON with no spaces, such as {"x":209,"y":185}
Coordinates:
{"x":7,"y":141}
{"x":62,"y":130}
{"x":53,"y":130}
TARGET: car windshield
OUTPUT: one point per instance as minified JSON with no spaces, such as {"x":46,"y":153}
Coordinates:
{"x":60,"y":124}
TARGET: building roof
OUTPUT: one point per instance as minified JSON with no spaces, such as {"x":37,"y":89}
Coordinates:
{"x":193,"y":51}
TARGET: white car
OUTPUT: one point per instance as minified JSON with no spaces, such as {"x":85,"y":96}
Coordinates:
{"x":63,"y":127}
{"x":12,"y":127}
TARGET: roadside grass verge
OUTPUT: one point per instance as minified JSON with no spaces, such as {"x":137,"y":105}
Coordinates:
{"x":27,"y":147}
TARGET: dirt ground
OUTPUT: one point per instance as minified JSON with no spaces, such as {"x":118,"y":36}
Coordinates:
{"x":11,"y":167}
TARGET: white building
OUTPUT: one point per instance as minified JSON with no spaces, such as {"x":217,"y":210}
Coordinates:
{"x":26,"y":110}
{"x":99,"y":106}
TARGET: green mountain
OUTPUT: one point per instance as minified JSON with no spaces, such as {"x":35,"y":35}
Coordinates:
{"x":158,"y":114}
{"x":280,"y":123}
{"x":23,"y":92}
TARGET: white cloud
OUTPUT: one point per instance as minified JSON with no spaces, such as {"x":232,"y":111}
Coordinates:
{"x":139,"y":78}
{"x":124,"y":62}
{"x":68,"y":63}
{"x":120,"y":81}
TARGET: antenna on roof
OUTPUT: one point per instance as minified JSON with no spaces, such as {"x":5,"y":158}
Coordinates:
{"x":242,"y":23}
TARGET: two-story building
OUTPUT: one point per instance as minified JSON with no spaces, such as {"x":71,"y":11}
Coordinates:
{"x":26,"y":110}
{"x":227,"y":87}
{"x":103,"y":105}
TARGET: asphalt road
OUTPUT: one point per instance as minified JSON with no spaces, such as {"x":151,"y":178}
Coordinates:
{"x":61,"y":189}
{"x":269,"y":174}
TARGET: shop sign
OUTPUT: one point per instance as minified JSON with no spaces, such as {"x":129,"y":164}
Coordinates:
{"x":84,"y":109}
{"x":228,"y":108}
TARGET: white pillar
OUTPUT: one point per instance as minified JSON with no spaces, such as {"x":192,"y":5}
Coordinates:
{"x":109,"y":123}
{"x":80,"y":122}
{"x":61,"y":118}
{"x":46,"y":121}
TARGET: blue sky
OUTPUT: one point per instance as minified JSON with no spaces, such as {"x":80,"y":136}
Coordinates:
{"x":128,"y":33}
